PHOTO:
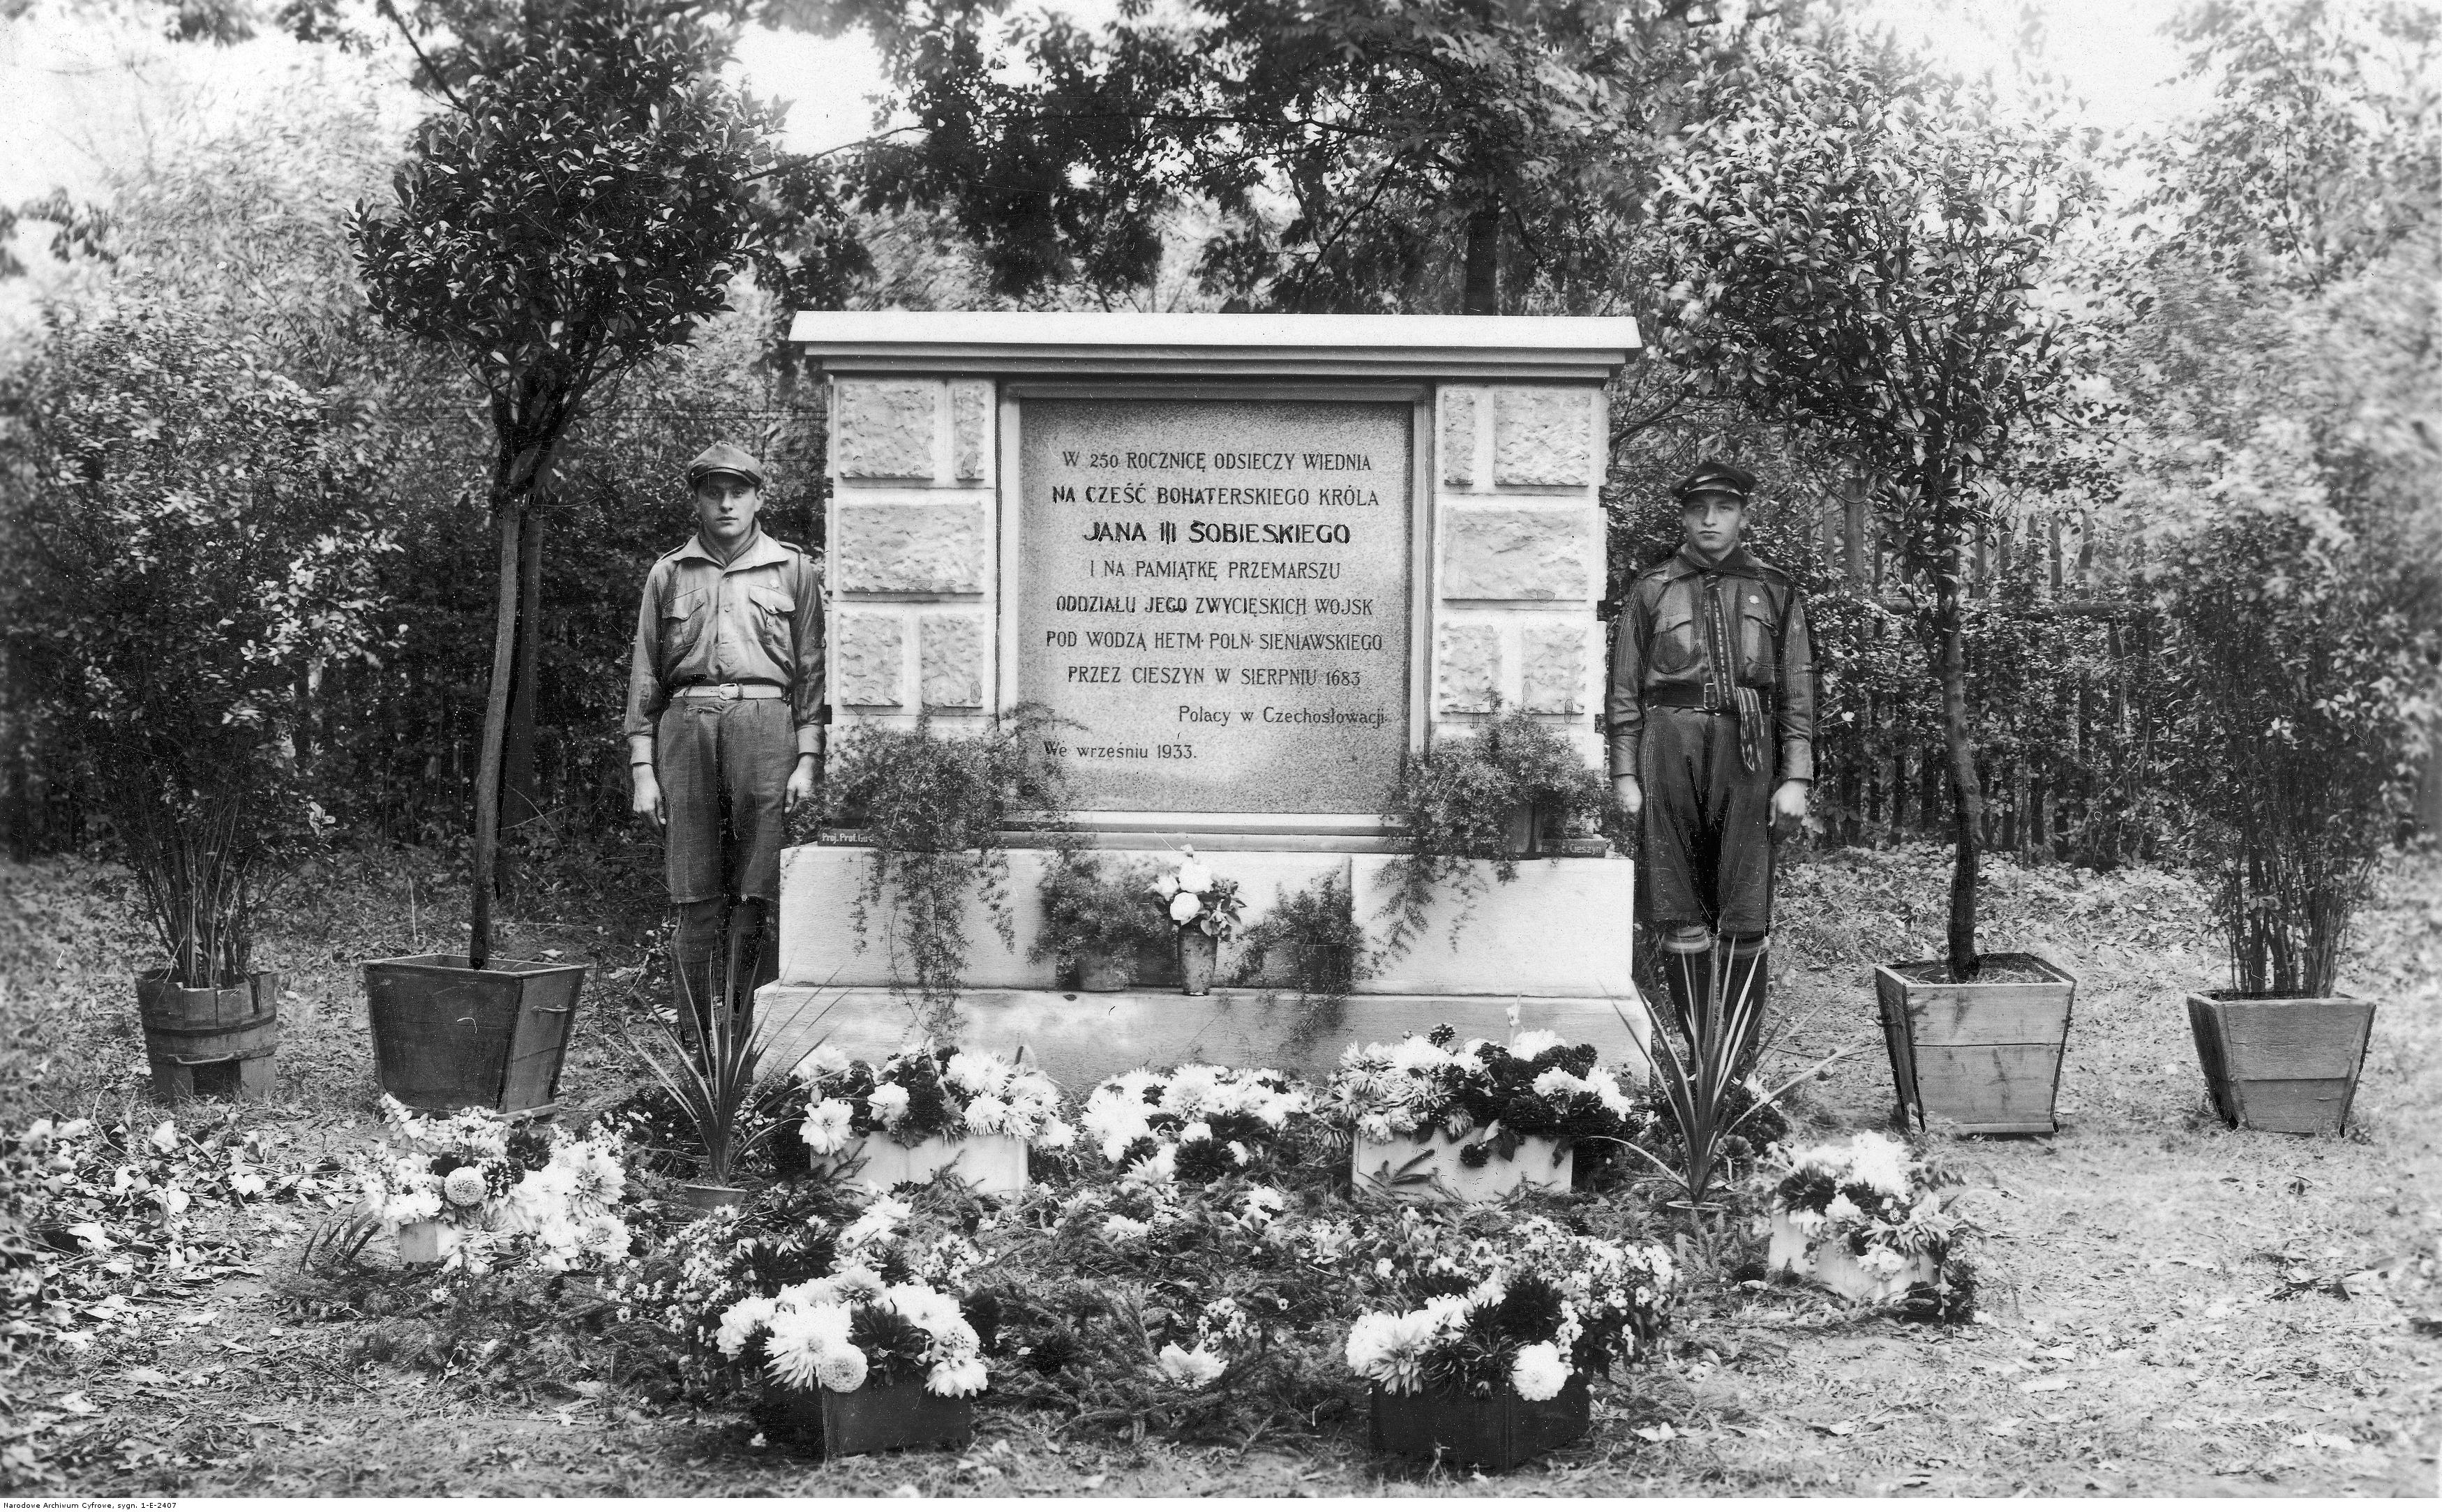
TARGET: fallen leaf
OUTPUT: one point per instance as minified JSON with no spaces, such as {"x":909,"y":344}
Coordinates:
{"x":1658,"y":1433}
{"x":79,"y":1404}
{"x":146,"y":1375}
{"x":2049,"y":1383}
{"x":1835,"y":1430}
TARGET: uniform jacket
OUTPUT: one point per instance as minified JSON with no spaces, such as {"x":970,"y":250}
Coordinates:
{"x":760,"y":619}
{"x":1689,"y":633}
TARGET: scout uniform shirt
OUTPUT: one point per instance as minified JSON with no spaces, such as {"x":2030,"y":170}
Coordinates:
{"x":758,"y":620}
{"x":1712,"y":674}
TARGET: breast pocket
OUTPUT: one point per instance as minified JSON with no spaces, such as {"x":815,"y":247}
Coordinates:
{"x":683,"y":622}
{"x":774,"y":616}
{"x":1758,"y":664}
{"x":1677,"y":646}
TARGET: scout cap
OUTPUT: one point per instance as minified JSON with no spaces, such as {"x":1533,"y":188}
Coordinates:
{"x":723,"y":456}
{"x":1715,"y":477}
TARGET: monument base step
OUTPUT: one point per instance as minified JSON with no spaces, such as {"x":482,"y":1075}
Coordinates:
{"x":1079,"y":1038}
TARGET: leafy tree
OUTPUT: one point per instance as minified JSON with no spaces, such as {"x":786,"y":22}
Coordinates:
{"x":580,"y":205}
{"x":2322,"y":146}
{"x":1358,"y":154}
{"x":189,"y":544}
{"x":1854,"y":245}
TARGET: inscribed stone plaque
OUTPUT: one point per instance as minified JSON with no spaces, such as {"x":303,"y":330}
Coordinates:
{"x":1215,"y":592}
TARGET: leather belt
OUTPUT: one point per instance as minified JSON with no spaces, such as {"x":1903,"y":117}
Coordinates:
{"x":729,"y":690}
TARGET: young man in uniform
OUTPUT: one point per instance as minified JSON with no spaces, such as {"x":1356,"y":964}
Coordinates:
{"x":725,"y":721}
{"x":1711,"y":714}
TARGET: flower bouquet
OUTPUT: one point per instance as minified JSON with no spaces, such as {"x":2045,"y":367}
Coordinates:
{"x":1499,"y":1336}
{"x":873,"y":1365}
{"x":1205,"y":908}
{"x":472,"y":1188}
{"x":1432,"y":1117}
{"x":1863,"y":1218}
{"x":926,"y":1111}
{"x":1193,"y":1123}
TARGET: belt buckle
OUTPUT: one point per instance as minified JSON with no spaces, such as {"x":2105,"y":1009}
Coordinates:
{"x":732,"y":692}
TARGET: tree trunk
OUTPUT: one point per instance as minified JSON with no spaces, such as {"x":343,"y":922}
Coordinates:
{"x":1966,"y":789}
{"x":508,"y":505}
{"x":519,"y":802}
{"x":1482,"y":292}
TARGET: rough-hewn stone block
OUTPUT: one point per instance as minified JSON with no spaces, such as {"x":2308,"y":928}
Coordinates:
{"x":884,"y":428}
{"x":1468,"y":663}
{"x":1520,"y":553}
{"x":1542,"y":436}
{"x":913,"y":548}
{"x":1458,"y":437}
{"x":950,"y":649}
{"x":970,"y":428}
{"x":871,"y":658}
{"x":1552,"y":667}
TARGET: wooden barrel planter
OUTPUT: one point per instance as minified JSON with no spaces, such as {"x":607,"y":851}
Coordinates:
{"x":2288,"y":1064}
{"x":877,"y":1415}
{"x":209,"y":1040}
{"x":1499,"y":1432}
{"x":446,"y":1036}
{"x":1981,"y":1057}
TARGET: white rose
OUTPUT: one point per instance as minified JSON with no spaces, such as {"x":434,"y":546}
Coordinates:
{"x":888,"y":1105}
{"x":1184,"y":906}
{"x":1193,"y":875}
{"x":826,"y":1129}
{"x":1165,"y":886}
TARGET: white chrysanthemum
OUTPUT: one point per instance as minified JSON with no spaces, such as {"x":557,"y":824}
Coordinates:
{"x":1556,"y":1083}
{"x":598,"y":1177}
{"x":888,"y":1105}
{"x":411,"y":1206}
{"x":1373,"y":1128}
{"x":844,"y":1371}
{"x":1056,"y":1135}
{"x":1157,"y":1169}
{"x":744,"y":1320}
{"x":803,"y":1338}
{"x":1192,"y":1089}
{"x":1840,"y":1211}
{"x":1531,"y":1043}
{"x":1194,"y":1133}
{"x":987,"y":1114}
{"x":1879,"y":1161}
{"x":877,"y":1223}
{"x":1882,"y":1260}
{"x":1184,"y":906}
{"x":967,"y":1071}
{"x":826,"y":1130}
{"x":464,"y":1186}
{"x":1415,"y":1053}
{"x":1540,"y":1372}
{"x":1189,"y":1367}
{"x":1121,"y":1228}
{"x":957,"y":1378}
{"x":823,"y":1060}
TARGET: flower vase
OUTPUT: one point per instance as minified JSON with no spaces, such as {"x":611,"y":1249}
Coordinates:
{"x":712,"y":1196}
{"x":420,"y":1242}
{"x":1430,"y":1169}
{"x":1196,"y":953}
{"x":881,"y":1414}
{"x":1499,"y":1432}
{"x":1829,"y":1263}
{"x":994,"y":1164}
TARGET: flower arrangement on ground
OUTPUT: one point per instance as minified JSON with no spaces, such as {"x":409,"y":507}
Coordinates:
{"x":1872,"y":1221}
{"x":926,"y":1094}
{"x":500,"y":1190}
{"x":1194,"y":1124}
{"x":1487,"y":1097}
{"x":1521,"y":1311}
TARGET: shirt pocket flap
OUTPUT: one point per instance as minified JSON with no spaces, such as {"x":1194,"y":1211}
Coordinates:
{"x":774,"y":600}
{"x":1671,"y":616}
{"x":683,"y":604}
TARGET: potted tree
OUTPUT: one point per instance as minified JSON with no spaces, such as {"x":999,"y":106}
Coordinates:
{"x":1856,"y":245}
{"x":581,"y":201}
{"x":2295,"y":564}
{"x":1098,"y":912}
{"x":196,"y":549}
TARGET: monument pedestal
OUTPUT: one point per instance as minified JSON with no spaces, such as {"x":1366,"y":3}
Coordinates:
{"x":1256,"y":565}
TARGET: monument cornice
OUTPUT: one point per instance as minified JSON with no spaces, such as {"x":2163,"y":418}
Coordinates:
{"x":1523,"y":348}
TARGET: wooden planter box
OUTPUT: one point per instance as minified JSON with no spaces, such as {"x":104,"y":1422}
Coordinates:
{"x":448,"y":1037}
{"x":1498,"y":1432}
{"x":994,"y":1163}
{"x":1979,"y":1057}
{"x":1397,"y":1166}
{"x":2288,"y":1064}
{"x":420,"y":1243}
{"x":890,"y":1415}
{"x":1832,"y":1265}
{"x":209,"y":1042}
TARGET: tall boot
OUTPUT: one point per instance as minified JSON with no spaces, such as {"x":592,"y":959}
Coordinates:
{"x":754,"y":954}
{"x":1747,"y":980}
{"x":1687,"y":973}
{"x":694,"y":970}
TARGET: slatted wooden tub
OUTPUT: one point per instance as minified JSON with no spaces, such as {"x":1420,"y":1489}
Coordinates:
{"x":2285,"y":1064}
{"x":1981,"y":1057}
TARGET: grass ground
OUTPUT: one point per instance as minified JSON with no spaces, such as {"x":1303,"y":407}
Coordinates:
{"x":2169,"y":1307}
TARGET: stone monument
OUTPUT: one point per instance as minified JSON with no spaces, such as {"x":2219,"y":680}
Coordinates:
{"x":1258,"y":562}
